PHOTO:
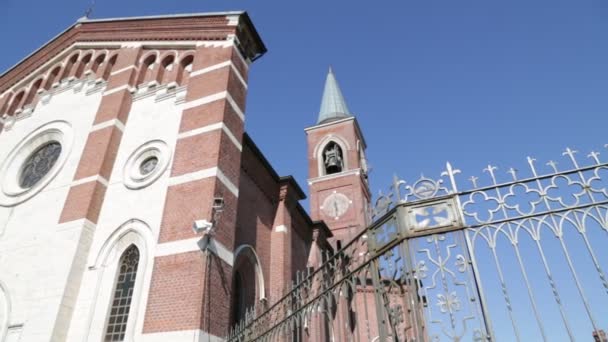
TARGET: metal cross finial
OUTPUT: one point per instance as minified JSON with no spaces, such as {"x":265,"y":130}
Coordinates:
{"x":513,"y":173}
{"x":570,"y":153}
{"x":473,"y":180}
{"x":451,"y":172}
{"x":89,"y":11}
{"x":396,"y":183}
{"x":594,"y":155}
{"x":490,"y":169}
{"x":553,"y":165}
{"x":532,"y":167}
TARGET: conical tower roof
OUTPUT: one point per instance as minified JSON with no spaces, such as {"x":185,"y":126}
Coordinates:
{"x":333,"y":106}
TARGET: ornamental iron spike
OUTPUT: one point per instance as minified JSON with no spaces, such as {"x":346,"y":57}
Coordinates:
{"x":513,"y":173}
{"x":490,"y":169}
{"x":570,"y":153}
{"x":553,"y":165}
{"x":595,"y":156}
{"x":473,"y":180}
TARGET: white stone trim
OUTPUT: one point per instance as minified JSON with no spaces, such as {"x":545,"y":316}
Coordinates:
{"x":205,"y":100}
{"x":202,"y":174}
{"x":177,"y":247}
{"x":334,"y":175}
{"x":191,"y":245}
{"x":193,"y":176}
{"x":221,"y":251}
{"x":76,"y":224}
{"x":235,"y":106}
{"x":215,"y":97}
{"x":200,"y":130}
{"x":96,"y":178}
{"x":109,"y":123}
{"x":181,"y":336}
{"x":113,"y":73}
{"x":281,"y":229}
{"x":232,"y":137}
{"x":209,"y":128}
{"x":219,"y":66}
{"x":210,"y":68}
{"x":227,"y":183}
{"x":119,"y":88}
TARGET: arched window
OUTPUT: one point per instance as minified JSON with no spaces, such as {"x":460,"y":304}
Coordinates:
{"x":123,"y":295}
{"x":69,"y":65}
{"x":82,"y":65}
{"x":185,"y":67}
{"x":33,"y":93}
{"x":166,"y":66}
{"x":146,"y":68}
{"x":53,"y":77}
{"x":247,"y":283}
{"x":16,"y":103}
{"x":239,"y":307}
{"x":333,"y":159}
{"x":96,"y":67}
{"x":109,"y":67}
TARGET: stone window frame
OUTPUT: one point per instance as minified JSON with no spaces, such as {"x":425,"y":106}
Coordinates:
{"x":133,"y":178}
{"x":105,"y":267}
{"x":126,"y":297}
{"x":318,"y":152}
{"x":11,"y":192}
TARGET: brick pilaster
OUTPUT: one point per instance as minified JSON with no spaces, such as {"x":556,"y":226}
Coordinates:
{"x":206,"y":164}
{"x":281,"y":261}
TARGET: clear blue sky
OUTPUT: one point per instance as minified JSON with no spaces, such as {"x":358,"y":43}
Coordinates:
{"x":471,"y":82}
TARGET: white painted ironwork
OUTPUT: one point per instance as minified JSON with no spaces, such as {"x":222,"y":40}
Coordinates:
{"x":503,"y":257}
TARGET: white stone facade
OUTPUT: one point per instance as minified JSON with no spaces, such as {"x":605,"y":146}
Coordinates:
{"x":37,"y":254}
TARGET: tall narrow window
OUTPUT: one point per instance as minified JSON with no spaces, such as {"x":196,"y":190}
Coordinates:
{"x":123,"y":294}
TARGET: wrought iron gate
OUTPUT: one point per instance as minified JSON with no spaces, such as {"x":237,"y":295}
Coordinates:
{"x":510,"y":258}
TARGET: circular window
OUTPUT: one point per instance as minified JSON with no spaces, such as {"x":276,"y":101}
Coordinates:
{"x":34,"y":162}
{"x":146,"y":164}
{"x":39,"y":164}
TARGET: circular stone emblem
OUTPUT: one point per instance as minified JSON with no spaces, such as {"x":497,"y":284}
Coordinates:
{"x":146,"y":164}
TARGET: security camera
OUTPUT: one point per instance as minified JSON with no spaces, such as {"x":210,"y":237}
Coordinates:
{"x":218,"y":204}
{"x":201,"y":226}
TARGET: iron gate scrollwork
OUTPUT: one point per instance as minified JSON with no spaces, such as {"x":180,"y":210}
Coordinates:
{"x":508,"y":257}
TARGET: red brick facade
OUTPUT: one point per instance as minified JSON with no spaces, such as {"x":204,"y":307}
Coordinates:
{"x":266,"y":235}
{"x":351,"y":182}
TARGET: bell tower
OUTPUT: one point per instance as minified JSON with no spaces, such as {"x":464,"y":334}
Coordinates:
{"x":337,"y":168}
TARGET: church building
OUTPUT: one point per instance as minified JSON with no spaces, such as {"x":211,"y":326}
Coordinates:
{"x":134,"y":206}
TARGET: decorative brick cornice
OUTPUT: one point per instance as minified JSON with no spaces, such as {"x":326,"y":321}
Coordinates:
{"x":198,"y":27}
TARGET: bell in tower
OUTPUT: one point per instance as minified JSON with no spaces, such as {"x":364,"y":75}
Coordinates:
{"x":332,"y":158}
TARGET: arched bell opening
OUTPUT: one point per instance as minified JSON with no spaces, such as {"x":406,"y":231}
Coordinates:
{"x":333,"y":158}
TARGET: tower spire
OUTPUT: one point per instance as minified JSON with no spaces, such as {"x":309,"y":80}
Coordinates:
{"x":333,"y":105}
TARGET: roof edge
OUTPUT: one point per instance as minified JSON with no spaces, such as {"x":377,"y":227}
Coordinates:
{"x":161,"y":16}
{"x":243,"y":18}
